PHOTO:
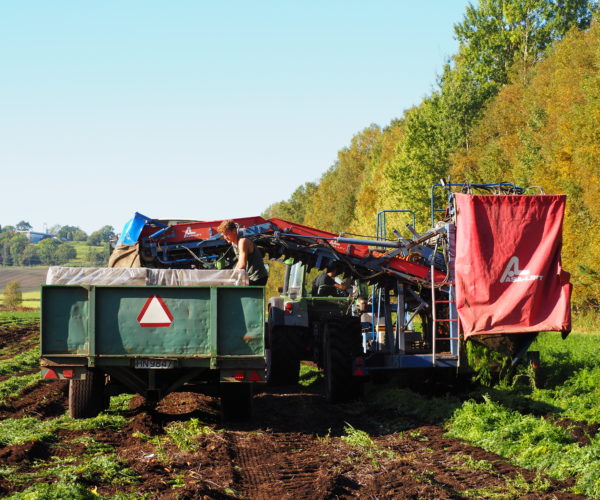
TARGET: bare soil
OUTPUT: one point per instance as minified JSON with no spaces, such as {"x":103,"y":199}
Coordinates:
{"x":291,"y":449}
{"x":30,"y":278}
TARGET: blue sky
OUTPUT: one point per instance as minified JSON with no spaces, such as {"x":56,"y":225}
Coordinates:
{"x":197,"y":109}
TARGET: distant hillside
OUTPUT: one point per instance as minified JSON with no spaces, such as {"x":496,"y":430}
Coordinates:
{"x":30,"y":278}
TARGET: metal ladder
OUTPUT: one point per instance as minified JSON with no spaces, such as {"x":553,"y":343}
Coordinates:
{"x":452,"y":319}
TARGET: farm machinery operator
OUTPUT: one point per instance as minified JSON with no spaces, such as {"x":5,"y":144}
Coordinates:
{"x":249,"y":256}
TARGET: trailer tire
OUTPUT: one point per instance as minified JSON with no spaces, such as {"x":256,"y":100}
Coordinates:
{"x":87,"y":397}
{"x":283,"y":367}
{"x":236,"y":401}
{"x":338,"y":347}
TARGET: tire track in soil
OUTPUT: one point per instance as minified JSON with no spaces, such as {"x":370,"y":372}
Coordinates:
{"x":274,"y":464}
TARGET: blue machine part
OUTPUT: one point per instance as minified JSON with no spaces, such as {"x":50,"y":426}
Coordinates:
{"x":133,"y":228}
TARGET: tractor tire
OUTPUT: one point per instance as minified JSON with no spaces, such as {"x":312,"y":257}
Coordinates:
{"x":87,"y":397}
{"x":236,"y":401}
{"x":338,"y":352}
{"x":283,"y":367}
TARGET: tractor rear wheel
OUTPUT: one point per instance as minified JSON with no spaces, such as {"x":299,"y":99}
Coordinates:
{"x":338,"y":351}
{"x":87,"y":397}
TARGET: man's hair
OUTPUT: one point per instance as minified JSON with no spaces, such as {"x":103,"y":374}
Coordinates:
{"x":227,"y":225}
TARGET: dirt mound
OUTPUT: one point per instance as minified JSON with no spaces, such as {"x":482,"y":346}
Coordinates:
{"x":16,"y":454}
{"x":43,"y":400}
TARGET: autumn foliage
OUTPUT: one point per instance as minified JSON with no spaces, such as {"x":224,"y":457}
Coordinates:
{"x":519,"y":102}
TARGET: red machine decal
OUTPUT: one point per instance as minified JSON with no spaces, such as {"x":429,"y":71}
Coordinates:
{"x":194,"y":231}
{"x":155,"y":313}
{"x":508,"y":272}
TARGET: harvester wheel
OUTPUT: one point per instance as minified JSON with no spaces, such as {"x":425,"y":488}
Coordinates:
{"x":340,"y":385}
{"x":87,"y":397}
{"x":283,"y":366}
{"x":236,"y":401}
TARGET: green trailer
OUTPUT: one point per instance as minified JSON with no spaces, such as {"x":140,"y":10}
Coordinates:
{"x":153,"y":340}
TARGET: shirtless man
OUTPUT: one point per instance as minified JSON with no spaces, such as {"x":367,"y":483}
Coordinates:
{"x":249,"y":257}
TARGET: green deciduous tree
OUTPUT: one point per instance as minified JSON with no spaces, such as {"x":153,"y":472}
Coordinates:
{"x":497,"y":33}
{"x":104,"y":234}
{"x":47,"y":251}
{"x":12,"y":295}
{"x":64,"y":253}
{"x":17,"y":244}
{"x":23,"y":226}
{"x":296,"y":207}
{"x":71,"y":233}
{"x":96,"y":257}
{"x":545,"y":130}
{"x":30,"y":256}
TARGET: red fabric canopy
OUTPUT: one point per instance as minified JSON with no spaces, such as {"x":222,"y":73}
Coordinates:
{"x":508,"y":272}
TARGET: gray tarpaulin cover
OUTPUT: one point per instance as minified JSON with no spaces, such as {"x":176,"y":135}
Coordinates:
{"x":140,"y":276}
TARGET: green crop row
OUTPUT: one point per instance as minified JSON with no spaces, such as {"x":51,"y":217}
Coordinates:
{"x":517,"y":420}
{"x":14,"y":386}
{"x":529,"y":441}
{"x":18,"y":318}
{"x":24,"y":361}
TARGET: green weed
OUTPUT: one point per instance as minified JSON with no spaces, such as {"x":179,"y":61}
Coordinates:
{"x":74,"y":480}
{"x":56,"y":491}
{"x":185,"y":434}
{"x":367,"y":447}
{"x":24,"y":361}
{"x":92,"y":446}
{"x":7,"y":470}
{"x":178,"y":481}
{"x":512,"y":489}
{"x":120,"y":403}
{"x":13,"y":386}
{"x":467,"y":462}
{"x":22,"y":430}
{"x":93,"y":470}
{"x":326,"y":439}
{"x":102,"y":421}
{"x":159,"y":443}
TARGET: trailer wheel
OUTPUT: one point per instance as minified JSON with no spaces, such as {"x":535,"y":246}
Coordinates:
{"x":236,"y":401}
{"x":283,"y":366}
{"x":87,"y":397}
{"x":340,"y":385}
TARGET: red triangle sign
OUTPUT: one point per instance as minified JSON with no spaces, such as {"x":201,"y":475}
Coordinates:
{"x":155,"y":313}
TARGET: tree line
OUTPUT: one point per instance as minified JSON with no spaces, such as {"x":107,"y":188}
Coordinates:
{"x":518,"y":102}
{"x":16,"y":249}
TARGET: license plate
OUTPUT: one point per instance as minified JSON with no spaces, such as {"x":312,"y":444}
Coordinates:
{"x":154,"y":364}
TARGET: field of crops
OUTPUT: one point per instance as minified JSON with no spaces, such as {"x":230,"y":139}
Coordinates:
{"x":534,"y":438}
